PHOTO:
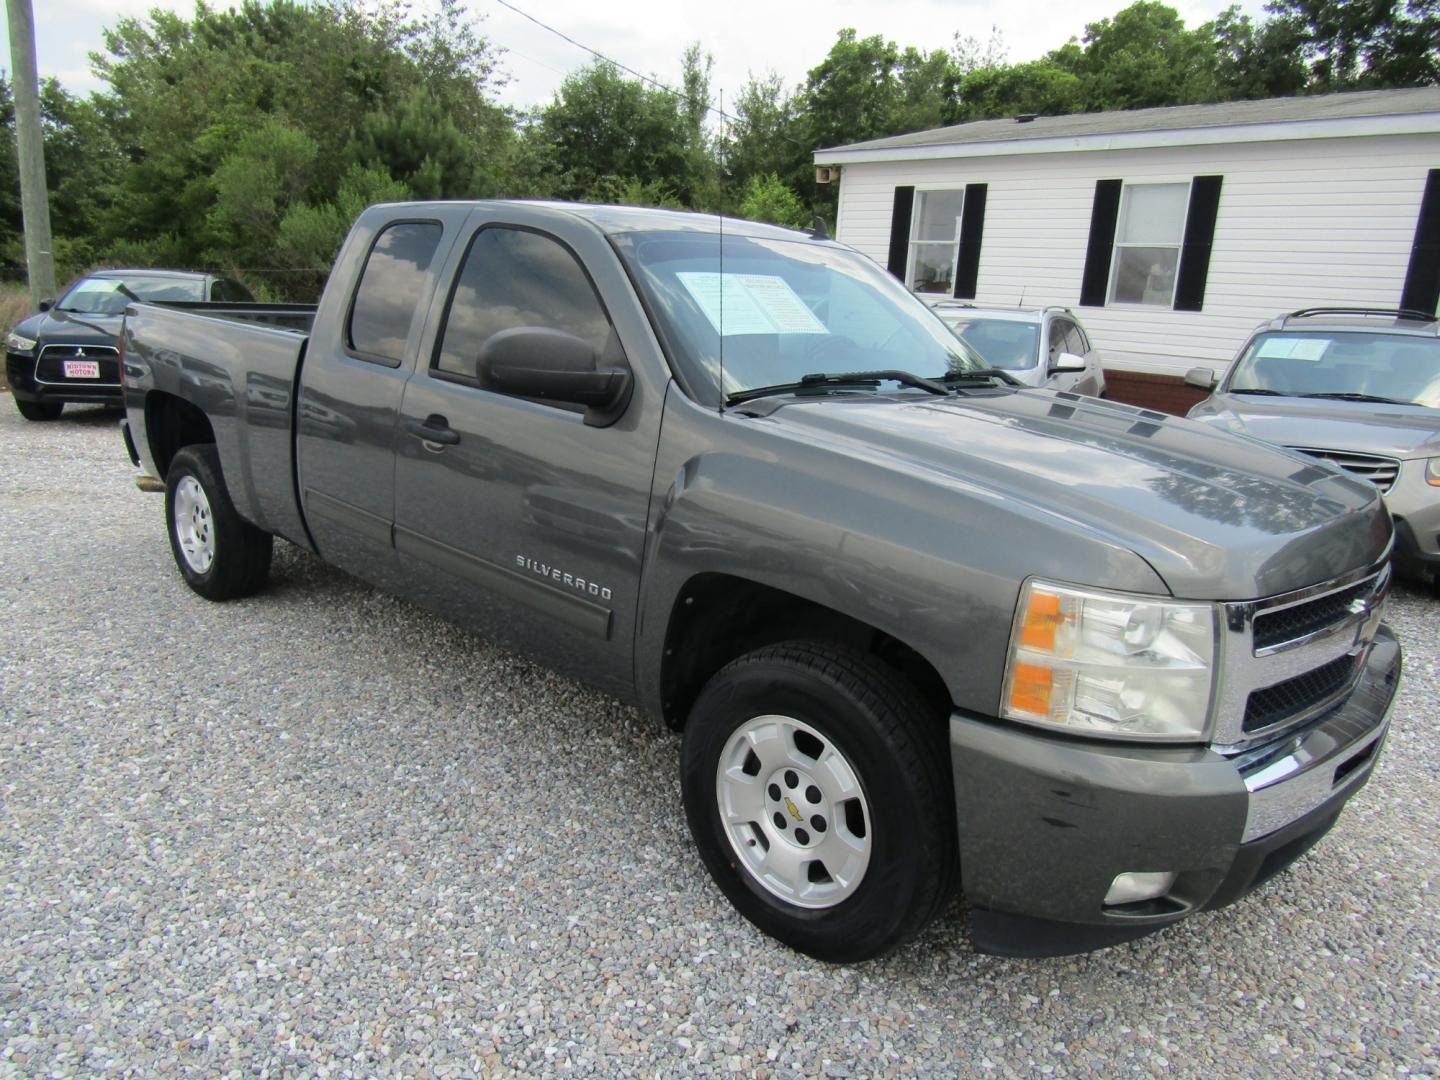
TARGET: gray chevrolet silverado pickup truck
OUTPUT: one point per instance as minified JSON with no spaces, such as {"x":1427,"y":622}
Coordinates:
{"x":1097,"y":667}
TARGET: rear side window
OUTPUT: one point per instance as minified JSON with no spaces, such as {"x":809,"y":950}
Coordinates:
{"x":390,"y":289}
{"x":515,"y":277}
{"x":226,"y":291}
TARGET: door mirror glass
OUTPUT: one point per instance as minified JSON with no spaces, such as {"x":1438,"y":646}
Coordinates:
{"x":1067,"y":361}
{"x":47,"y":303}
{"x":1202,"y":378}
{"x":545,"y":364}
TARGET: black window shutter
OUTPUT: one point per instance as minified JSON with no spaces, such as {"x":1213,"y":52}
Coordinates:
{"x":1422,"y":279}
{"x":1199,"y":238}
{"x":900,"y":230}
{"x":972,"y":230}
{"x":1103,"y":214}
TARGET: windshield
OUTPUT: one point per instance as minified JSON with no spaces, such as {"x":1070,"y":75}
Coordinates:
{"x":109,"y":295}
{"x":1386,"y":367}
{"x":1004,"y":343}
{"x":784,"y":309}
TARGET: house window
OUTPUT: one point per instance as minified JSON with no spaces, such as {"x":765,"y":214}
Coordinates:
{"x":934,"y":239}
{"x":1148,"y":238}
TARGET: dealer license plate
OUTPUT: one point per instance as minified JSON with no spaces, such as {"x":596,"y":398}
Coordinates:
{"x":82,"y":369}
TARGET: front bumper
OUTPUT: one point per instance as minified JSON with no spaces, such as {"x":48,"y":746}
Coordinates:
{"x":27,"y":385}
{"x":1046,"y":823}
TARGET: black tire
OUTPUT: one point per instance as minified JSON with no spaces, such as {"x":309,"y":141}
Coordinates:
{"x":39,"y":410}
{"x":239,"y":553}
{"x":896,"y":748}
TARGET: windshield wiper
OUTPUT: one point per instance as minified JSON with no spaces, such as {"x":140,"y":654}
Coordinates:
{"x":1259,"y":390}
{"x":817,"y":380}
{"x":1350,"y":395}
{"x":965,"y":375}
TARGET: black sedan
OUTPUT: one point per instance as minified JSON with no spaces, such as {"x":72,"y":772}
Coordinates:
{"x":69,"y":349}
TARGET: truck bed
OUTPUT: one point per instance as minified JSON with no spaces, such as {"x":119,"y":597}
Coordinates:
{"x":237,"y":363}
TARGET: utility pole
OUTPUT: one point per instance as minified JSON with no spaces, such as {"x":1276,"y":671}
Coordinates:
{"x":30,"y":142}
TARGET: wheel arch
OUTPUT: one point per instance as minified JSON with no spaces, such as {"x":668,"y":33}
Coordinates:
{"x":171,"y":424}
{"x":717,"y":617}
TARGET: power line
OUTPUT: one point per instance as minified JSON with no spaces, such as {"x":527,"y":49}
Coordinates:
{"x":720,"y":112}
{"x":609,"y":60}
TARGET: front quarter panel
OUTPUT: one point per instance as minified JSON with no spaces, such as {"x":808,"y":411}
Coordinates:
{"x":935,"y":565}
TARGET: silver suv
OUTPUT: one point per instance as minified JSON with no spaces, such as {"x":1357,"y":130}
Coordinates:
{"x":1038,"y":346}
{"x":1357,"y":387}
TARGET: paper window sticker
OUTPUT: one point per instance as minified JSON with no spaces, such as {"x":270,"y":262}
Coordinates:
{"x":749,"y":304}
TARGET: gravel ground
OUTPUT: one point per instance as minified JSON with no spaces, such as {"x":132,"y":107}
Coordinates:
{"x":321,"y":832}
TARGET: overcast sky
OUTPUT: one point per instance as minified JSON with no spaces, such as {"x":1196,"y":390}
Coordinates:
{"x":744,"y":36}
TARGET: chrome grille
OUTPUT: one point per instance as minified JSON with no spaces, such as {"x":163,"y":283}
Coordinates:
{"x":1303,"y":694}
{"x":50,"y":364}
{"x":1291,"y":623}
{"x":1380,"y":471}
{"x":1288,"y":658}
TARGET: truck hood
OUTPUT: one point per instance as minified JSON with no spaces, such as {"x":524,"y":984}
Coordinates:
{"x":1216,"y":516}
{"x":1399,"y":431}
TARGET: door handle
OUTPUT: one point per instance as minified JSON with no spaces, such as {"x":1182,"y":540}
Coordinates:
{"x":434,"y":429}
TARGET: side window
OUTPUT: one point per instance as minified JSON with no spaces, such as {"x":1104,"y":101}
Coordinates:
{"x":226,"y":291}
{"x":1057,"y":338}
{"x":390,"y":288}
{"x":514,"y":277}
{"x":1075,"y":340}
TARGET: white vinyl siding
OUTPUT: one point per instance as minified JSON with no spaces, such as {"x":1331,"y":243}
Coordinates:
{"x":1301,"y":223}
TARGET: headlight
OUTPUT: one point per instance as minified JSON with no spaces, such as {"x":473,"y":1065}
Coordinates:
{"x":19,"y":343}
{"x":1110,"y":664}
{"x":1432,"y":472}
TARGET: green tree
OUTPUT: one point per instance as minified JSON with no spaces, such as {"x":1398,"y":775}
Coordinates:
{"x":767,"y":199}
{"x":1141,"y":58}
{"x":418,"y":144}
{"x":1039,"y":87}
{"x":1350,"y":44}
{"x":603,"y":127}
{"x":1257,"y":60}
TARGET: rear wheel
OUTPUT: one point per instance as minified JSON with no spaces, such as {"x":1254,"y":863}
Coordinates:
{"x":39,"y":410}
{"x":818,"y":792}
{"x":220,"y":554}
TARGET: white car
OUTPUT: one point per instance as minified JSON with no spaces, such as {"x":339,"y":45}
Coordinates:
{"x":1038,"y":346}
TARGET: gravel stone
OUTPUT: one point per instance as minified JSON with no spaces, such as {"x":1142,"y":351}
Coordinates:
{"x":321,"y":832}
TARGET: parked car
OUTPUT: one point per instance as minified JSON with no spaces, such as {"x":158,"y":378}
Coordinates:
{"x":1038,"y":346}
{"x":68,"y":350}
{"x":922,"y":628}
{"x":1356,"y":387}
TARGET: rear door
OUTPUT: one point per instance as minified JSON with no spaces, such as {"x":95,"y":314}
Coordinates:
{"x":511,"y":514}
{"x":352,"y":382}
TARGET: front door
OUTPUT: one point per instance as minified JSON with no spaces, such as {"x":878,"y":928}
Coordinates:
{"x":512,"y":514}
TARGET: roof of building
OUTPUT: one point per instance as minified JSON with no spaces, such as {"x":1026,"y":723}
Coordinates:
{"x":1229,"y":114}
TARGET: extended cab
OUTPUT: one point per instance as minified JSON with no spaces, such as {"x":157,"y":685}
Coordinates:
{"x":1100,"y":667}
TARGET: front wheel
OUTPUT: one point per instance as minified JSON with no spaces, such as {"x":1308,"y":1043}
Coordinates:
{"x":220,"y":554}
{"x":39,"y":410}
{"x":817,"y":788}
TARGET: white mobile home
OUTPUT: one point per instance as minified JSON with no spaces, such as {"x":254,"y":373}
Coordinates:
{"x":1173,"y":232}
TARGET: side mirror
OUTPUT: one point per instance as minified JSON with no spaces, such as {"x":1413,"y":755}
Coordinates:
{"x":551,"y":365}
{"x":47,"y":303}
{"x":1067,"y":361}
{"x":1202,"y":378}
